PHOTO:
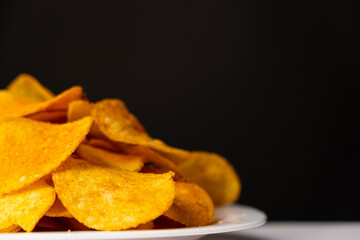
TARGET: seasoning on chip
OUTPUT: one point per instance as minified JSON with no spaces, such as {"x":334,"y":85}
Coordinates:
{"x":109,"y":199}
{"x":27,"y":206}
{"x":192,"y":206}
{"x":31,"y":149}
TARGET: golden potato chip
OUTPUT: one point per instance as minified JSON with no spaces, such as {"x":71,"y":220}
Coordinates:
{"x":192,"y":206}
{"x":118,"y":124}
{"x":58,"y":210}
{"x":108,"y":199}
{"x":32,"y":149}
{"x":79,"y":109}
{"x":12,"y":105}
{"x":100,"y":143}
{"x":10,"y":229}
{"x":26,"y":206}
{"x":213,"y":173}
{"x":149,"y":154}
{"x":111,"y":159}
{"x":52,"y":116}
{"x":145,"y":226}
{"x":27,"y":86}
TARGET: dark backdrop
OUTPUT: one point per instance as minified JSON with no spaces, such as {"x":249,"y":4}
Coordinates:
{"x":269,"y":85}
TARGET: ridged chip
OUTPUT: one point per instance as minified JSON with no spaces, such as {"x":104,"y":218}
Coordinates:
{"x":213,"y":173}
{"x":27,"y":86}
{"x":26,"y":206}
{"x":108,"y":199}
{"x":192,"y":206}
{"x":103,"y":157}
{"x":32,"y":149}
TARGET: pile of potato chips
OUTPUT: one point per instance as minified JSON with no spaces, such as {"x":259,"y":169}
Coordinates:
{"x":69,"y":164}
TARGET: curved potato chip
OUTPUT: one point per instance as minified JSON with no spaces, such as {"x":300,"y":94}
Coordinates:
{"x":11,"y":229}
{"x":109,"y":199}
{"x":111,"y":159}
{"x":149,"y":154}
{"x":192,"y":206}
{"x":32,"y":149}
{"x":145,"y":226}
{"x":58,"y":210}
{"x":217,"y":176}
{"x":53,"y":116}
{"x":27,"y":86}
{"x":26,"y":206}
{"x":118,"y":124}
{"x":12,"y":105}
{"x":79,"y":109}
{"x":100,"y":143}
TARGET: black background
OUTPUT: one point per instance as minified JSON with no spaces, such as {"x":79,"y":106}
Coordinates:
{"x":269,"y":85}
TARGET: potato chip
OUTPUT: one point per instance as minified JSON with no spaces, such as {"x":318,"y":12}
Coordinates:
{"x":145,"y":226}
{"x":111,"y":159}
{"x":58,"y":210}
{"x":52,"y":116}
{"x":213,"y":173}
{"x":110,"y":199}
{"x":192,"y":206}
{"x":79,"y":109}
{"x":32,"y":149}
{"x":27,"y":86}
{"x":118,"y":124}
{"x":100,"y":143}
{"x":26,"y":206}
{"x":12,"y":105}
{"x":149,"y":154}
{"x":11,"y":229}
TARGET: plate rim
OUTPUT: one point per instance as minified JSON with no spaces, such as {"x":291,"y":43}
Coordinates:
{"x":148,"y":234}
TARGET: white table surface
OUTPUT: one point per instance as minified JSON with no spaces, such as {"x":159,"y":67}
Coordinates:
{"x":296,"y":231}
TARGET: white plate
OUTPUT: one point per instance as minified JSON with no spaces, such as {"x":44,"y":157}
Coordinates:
{"x":228,"y":218}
